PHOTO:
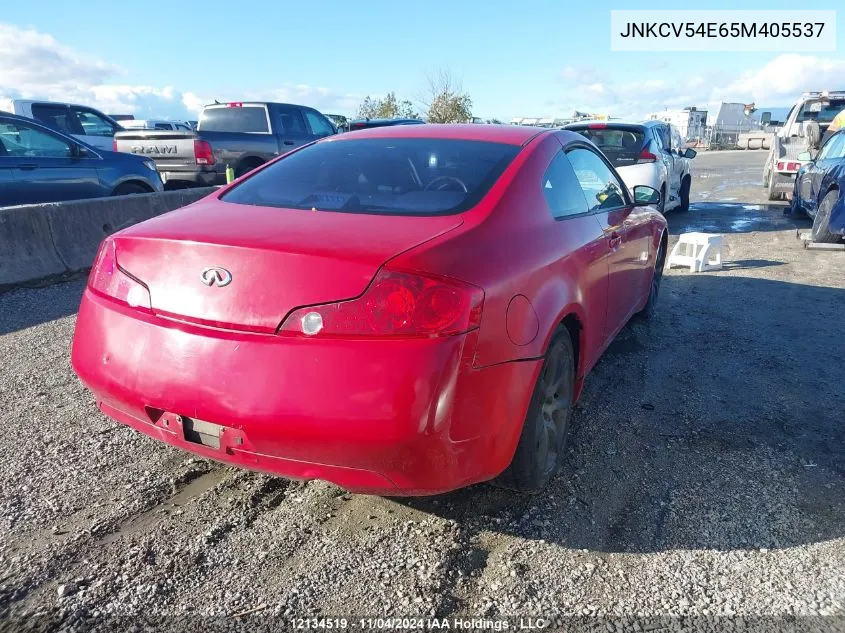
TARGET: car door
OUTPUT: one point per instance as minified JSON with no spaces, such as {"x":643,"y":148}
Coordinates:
{"x":625,"y":230}
{"x":9,"y":191}
{"x":667,"y":157}
{"x":581,"y":239}
{"x":45,"y":166}
{"x":96,"y":130}
{"x":830,"y":153}
{"x":291,"y":128}
{"x":679,"y":163}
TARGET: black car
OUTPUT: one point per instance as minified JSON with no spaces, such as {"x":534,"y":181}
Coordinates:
{"x":39,"y":164}
{"x":362,"y":124}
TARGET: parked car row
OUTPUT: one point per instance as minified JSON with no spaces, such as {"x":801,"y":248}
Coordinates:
{"x":40,"y":164}
{"x":240,"y":136}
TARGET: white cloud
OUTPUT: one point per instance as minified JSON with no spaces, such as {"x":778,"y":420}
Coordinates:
{"x":783,"y":79}
{"x":778,"y":82}
{"x":35,"y":65}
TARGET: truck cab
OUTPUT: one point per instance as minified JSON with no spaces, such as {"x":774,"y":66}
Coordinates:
{"x":802,"y":131}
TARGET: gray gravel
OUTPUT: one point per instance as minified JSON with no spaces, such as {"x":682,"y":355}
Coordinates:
{"x":704,"y":478}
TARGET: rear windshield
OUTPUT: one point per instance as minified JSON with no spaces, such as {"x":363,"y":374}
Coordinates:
{"x":389,"y":176}
{"x":622,"y":146}
{"x":820,"y":112}
{"x":234,"y":119}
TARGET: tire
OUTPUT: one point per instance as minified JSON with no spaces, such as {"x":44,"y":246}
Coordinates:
{"x":648,"y":312}
{"x":247,"y":167}
{"x":544,"y":433}
{"x":774,"y":194}
{"x":814,"y":135}
{"x":686,"y":184}
{"x":821,"y":223}
{"x":662,"y":206}
{"x":129,"y":188}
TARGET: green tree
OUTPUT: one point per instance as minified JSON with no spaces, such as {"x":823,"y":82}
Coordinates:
{"x":388,"y":107}
{"x":445,"y":100}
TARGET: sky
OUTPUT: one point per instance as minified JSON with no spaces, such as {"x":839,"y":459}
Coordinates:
{"x":530,"y":58}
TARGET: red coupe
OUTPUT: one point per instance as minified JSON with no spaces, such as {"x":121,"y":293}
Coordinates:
{"x":401,"y":311}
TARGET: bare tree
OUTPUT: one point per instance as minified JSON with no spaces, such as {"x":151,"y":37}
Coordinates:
{"x":444,"y":99}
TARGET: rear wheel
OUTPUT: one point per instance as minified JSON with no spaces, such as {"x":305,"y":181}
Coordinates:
{"x":128,"y":188}
{"x":544,"y":432}
{"x":647,"y":313}
{"x":686,"y":183}
{"x":773,"y":181}
{"x":247,"y":167}
{"x":821,"y":223}
{"x":661,"y":207}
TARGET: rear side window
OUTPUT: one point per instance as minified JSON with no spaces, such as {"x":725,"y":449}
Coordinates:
{"x":57,"y":117}
{"x":291,"y":121}
{"x":384,"y":176}
{"x":622,"y":146}
{"x":24,"y":141}
{"x":251,"y":119}
{"x":561,"y":189}
{"x":163,"y":126}
{"x":601,"y":188}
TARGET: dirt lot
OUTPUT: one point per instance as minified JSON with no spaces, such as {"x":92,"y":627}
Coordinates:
{"x":705,"y":477}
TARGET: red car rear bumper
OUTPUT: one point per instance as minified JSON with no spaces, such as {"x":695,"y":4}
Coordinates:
{"x":396,"y":417}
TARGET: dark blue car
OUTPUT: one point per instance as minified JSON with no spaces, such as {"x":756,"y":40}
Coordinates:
{"x":818,"y":187}
{"x":39,"y":164}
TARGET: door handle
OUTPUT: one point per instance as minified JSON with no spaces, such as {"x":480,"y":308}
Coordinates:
{"x":27,"y":166}
{"x":288,"y":142}
{"x":615,"y":240}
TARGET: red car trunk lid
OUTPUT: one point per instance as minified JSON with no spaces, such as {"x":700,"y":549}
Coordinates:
{"x":277,"y":259}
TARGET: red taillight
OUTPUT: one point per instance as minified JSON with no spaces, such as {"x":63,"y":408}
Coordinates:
{"x":203,"y":153}
{"x":109,"y":279}
{"x":114,"y":145}
{"x":597,"y":126}
{"x":235,"y":104}
{"x":646,"y":156}
{"x":396,"y":304}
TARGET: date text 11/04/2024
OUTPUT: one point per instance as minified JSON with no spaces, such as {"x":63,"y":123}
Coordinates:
{"x":431,"y":623}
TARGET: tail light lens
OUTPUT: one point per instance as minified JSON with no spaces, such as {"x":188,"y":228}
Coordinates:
{"x":647,"y":156}
{"x":110,"y":280}
{"x":395,"y":305}
{"x":203,"y":153}
{"x":114,"y":145}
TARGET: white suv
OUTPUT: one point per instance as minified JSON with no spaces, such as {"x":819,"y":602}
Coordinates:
{"x":649,"y":153}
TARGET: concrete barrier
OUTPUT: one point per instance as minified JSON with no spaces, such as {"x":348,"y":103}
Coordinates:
{"x":39,"y":241}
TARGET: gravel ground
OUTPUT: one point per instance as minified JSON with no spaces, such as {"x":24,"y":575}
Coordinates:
{"x":705,"y":479}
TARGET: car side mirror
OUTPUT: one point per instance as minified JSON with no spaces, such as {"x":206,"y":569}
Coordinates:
{"x":689,"y":153}
{"x":79,"y":151}
{"x":805,"y":156}
{"x":645,"y":196}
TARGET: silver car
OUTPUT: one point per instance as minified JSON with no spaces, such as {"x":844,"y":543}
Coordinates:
{"x":649,"y":153}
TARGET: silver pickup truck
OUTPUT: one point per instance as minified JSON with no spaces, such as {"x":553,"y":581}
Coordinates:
{"x":240,"y":135}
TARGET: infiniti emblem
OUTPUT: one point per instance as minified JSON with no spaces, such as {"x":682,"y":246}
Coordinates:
{"x":216,"y":276}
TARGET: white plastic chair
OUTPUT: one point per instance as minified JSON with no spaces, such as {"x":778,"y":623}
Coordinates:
{"x":699,"y":251}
